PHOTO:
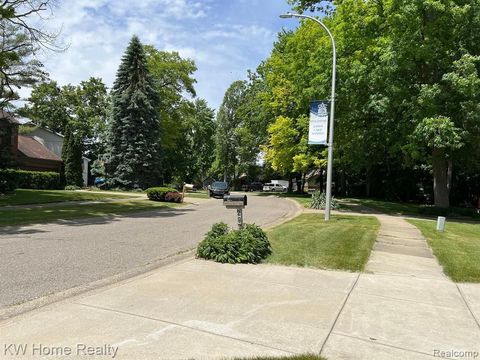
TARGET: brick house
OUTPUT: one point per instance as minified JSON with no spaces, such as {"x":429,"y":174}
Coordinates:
{"x":24,"y":152}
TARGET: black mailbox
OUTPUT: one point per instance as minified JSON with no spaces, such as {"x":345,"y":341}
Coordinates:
{"x":235,"y":201}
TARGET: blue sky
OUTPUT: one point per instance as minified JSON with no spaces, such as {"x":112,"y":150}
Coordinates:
{"x":224,"y":37}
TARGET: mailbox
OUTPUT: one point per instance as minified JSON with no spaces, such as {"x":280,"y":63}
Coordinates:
{"x":188,"y":187}
{"x":235,"y":201}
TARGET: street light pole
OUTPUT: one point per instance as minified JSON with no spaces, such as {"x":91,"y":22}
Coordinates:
{"x":328,"y":204}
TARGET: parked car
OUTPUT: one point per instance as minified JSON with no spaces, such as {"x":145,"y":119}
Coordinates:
{"x":274,"y":188}
{"x":218,"y":189}
{"x":99,"y":181}
{"x":254,"y":186}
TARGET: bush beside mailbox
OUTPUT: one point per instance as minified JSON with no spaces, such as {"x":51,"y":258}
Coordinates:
{"x":165,"y":194}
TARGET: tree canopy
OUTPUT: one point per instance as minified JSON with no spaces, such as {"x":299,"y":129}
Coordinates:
{"x":22,"y":35}
{"x":407,"y":95}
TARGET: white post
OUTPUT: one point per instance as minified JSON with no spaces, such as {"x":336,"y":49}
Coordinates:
{"x":441,"y":223}
{"x":240,"y":218}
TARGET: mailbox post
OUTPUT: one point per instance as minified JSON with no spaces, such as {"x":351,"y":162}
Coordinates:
{"x":237,"y":202}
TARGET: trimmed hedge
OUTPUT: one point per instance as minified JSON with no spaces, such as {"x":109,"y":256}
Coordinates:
{"x":247,"y":245}
{"x":11,"y":179}
{"x":164,"y":194}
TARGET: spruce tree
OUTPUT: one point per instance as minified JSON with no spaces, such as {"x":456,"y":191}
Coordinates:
{"x":72,"y":158}
{"x":134,"y":136}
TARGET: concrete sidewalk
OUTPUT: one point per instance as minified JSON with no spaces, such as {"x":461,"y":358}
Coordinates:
{"x":401,"y":249}
{"x":195,"y":310}
{"x":406,"y":308}
{"x":204,"y":310}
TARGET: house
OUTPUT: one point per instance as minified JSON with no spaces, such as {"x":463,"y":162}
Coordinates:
{"x":35,"y":148}
{"x":32,"y":155}
{"x":52,"y":141}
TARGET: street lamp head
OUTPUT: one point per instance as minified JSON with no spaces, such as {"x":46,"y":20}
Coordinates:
{"x":286,"y":16}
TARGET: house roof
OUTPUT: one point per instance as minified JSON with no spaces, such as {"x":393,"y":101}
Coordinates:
{"x":7,"y":116}
{"x":33,"y":149}
{"x":29,"y":123}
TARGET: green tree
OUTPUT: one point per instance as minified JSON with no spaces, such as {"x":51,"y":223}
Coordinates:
{"x":174,"y":82}
{"x":440,"y":136}
{"x":313,"y":5}
{"x":201,"y":128}
{"x":91,"y":116}
{"x":84,"y":108}
{"x":18,"y":66}
{"x":399,"y":63}
{"x":134,"y":134}
{"x":229,"y":120}
{"x":72,"y":158}
{"x":21,"y":37}
{"x":48,"y":107}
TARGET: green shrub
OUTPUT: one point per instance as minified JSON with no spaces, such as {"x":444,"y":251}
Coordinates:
{"x":162,"y":193}
{"x":247,"y":245}
{"x":8,"y":181}
{"x":319,"y":201}
{"x":11,"y":179}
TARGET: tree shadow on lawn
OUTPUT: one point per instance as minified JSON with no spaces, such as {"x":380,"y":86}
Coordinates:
{"x":91,"y":219}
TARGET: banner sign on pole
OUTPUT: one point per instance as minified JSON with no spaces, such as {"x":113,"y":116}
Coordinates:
{"x":317,"y":131}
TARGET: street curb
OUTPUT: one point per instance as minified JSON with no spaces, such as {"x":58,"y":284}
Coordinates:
{"x":289,"y":216}
{"x":103,"y":284}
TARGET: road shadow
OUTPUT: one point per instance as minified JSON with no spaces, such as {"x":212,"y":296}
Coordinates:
{"x":39,"y":227}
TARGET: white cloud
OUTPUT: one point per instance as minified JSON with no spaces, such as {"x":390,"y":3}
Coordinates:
{"x":98,"y":32}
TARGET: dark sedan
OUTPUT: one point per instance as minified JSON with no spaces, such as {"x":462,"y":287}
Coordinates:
{"x":218,"y":189}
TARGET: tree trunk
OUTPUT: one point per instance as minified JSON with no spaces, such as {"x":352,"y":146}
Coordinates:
{"x":368,"y":182}
{"x":440,"y":179}
{"x":302,"y":190}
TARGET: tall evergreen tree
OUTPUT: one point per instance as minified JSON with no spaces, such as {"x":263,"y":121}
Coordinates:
{"x":72,"y":158}
{"x":134,"y":154}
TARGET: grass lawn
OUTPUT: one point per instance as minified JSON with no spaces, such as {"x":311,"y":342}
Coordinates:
{"x":457,"y":249}
{"x":402,"y":208}
{"x":29,"y":197}
{"x":72,"y":211}
{"x":302,"y":199}
{"x":198,"y":195}
{"x":345,"y":242}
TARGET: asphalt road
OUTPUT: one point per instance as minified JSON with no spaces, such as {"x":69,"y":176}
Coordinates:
{"x":39,"y":260}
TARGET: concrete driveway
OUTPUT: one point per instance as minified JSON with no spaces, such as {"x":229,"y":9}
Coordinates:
{"x":204,"y":310}
{"x":45,"y":259}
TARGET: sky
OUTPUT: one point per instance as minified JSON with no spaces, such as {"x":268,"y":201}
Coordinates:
{"x":225,"y":38}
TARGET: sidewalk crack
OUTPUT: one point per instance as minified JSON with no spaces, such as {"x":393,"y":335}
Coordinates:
{"x":467,"y":305}
{"x":339,"y":313}
{"x":186,"y":327}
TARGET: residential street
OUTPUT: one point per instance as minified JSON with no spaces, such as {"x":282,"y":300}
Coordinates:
{"x":38,"y":260}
